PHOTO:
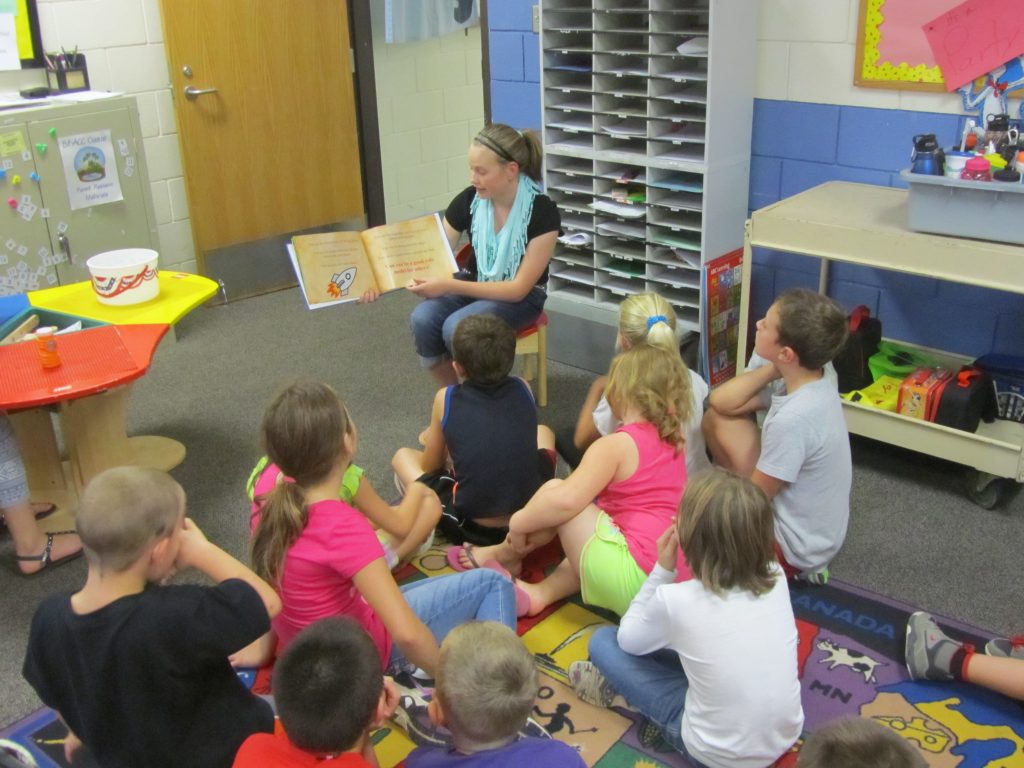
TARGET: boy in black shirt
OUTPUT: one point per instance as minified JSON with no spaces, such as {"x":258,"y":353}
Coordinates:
{"x":139,"y":671}
{"x":486,"y":429}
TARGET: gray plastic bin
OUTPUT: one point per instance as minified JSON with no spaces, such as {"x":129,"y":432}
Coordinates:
{"x":986,"y":210}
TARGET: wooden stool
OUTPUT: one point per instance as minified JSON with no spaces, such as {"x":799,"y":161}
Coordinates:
{"x":532,"y":342}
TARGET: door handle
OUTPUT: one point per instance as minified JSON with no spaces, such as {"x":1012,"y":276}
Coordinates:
{"x":192,"y":93}
{"x":65,"y":246}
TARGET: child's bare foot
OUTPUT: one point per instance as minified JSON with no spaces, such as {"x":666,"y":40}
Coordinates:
{"x":470,"y":556}
{"x":536,"y":593}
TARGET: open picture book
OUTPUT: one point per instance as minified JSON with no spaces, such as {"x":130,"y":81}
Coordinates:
{"x":337,"y":267}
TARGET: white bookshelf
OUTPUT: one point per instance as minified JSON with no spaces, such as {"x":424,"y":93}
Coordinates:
{"x":631,"y":121}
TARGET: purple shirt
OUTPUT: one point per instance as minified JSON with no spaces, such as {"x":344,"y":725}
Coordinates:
{"x":536,"y":753}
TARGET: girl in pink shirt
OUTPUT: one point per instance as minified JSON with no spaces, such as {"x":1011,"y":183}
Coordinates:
{"x":611,"y":510}
{"x":323,"y":556}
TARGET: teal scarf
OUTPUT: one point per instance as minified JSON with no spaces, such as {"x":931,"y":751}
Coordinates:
{"x":498,"y":255}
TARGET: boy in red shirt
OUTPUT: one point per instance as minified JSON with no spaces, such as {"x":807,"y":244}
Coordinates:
{"x":329,"y":695}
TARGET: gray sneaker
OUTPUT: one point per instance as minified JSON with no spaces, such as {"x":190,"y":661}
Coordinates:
{"x":590,"y":685}
{"x":929,"y":650}
{"x":1002,"y":647}
{"x":411,"y":716}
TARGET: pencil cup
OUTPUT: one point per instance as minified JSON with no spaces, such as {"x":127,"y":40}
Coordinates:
{"x":68,"y":74}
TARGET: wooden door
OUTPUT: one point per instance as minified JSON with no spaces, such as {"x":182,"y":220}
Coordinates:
{"x":270,"y":148}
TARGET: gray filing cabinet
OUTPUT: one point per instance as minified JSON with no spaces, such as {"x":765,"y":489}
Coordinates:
{"x":43,"y":241}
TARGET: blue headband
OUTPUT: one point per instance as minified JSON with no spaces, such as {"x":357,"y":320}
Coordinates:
{"x":656,"y":319}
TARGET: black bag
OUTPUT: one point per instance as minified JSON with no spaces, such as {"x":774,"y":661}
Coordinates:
{"x":851,"y":363}
{"x":1008,"y":373}
{"x":966,"y":399}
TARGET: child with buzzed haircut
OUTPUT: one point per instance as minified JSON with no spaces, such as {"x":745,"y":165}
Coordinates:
{"x":487,"y":425}
{"x":485,"y":688}
{"x":801,"y":456}
{"x":856,"y":742}
{"x":137,"y":670}
{"x":329,"y":695}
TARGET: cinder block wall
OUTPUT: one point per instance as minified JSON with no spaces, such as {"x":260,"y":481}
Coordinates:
{"x":430,"y":104}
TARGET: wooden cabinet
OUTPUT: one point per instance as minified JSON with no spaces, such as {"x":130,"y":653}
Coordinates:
{"x":43,"y":240}
{"x":647,"y":109}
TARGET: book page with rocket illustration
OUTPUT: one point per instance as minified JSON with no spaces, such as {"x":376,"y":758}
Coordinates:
{"x":338,"y":267}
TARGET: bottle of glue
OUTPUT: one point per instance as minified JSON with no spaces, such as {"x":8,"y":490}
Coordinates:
{"x":46,"y":343}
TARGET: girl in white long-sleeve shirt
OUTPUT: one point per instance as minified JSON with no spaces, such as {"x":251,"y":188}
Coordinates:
{"x":712,"y":661}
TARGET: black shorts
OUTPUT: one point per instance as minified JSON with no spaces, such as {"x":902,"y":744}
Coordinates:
{"x":459,"y":529}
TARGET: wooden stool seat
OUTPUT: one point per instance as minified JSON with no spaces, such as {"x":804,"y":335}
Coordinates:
{"x":532,"y":344}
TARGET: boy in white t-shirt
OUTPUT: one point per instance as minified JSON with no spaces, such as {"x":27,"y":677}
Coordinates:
{"x":801,"y":455}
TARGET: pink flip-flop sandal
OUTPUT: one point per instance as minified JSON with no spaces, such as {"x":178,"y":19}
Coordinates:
{"x":524,"y":605}
{"x":452,"y":556}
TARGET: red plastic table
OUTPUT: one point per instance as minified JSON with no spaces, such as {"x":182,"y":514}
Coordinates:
{"x":89,"y":391}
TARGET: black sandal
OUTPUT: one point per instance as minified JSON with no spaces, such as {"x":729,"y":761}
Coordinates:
{"x":44,"y":510}
{"x":45,"y":558}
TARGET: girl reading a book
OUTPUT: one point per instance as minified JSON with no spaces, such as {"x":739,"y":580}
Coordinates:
{"x":512,"y":228}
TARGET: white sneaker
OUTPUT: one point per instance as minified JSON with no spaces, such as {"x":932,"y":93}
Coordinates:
{"x":425,"y":546}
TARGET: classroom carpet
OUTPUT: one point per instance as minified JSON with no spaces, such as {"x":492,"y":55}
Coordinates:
{"x":850,"y":661}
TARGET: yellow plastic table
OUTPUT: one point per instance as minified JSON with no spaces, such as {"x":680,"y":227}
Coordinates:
{"x":180,"y":293}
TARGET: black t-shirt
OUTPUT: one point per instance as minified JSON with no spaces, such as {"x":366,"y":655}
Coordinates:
{"x":145,"y":682}
{"x":491,"y":434}
{"x":544,"y":218}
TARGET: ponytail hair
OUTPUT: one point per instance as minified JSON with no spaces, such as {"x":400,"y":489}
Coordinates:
{"x":510,"y":145}
{"x":646,"y":318}
{"x":655,"y":382}
{"x":303,"y":433}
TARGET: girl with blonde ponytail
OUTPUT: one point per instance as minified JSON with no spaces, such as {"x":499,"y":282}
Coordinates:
{"x":646,"y":318}
{"x":322,"y":555}
{"x":625,"y":492}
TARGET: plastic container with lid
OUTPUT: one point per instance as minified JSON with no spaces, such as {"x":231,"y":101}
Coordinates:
{"x":961,"y":208}
{"x":977,"y":169}
{"x":46,"y":342}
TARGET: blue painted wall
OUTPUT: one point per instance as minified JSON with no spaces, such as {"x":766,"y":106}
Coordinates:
{"x":515,"y":63}
{"x":797,"y":146}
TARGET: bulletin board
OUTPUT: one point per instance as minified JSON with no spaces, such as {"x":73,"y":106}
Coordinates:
{"x":30,"y":42}
{"x":892,"y":50}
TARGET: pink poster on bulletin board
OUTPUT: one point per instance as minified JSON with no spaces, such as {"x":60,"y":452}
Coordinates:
{"x":901,"y":37}
{"x":975,"y":37}
{"x":892,"y":51}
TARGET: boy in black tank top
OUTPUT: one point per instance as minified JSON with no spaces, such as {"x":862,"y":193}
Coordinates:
{"x":484,"y":452}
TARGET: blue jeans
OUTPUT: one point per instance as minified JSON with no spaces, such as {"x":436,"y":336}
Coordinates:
{"x":433,"y":321}
{"x":445,"y":602}
{"x":655,"y":684}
